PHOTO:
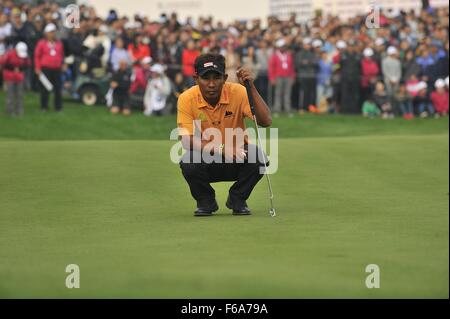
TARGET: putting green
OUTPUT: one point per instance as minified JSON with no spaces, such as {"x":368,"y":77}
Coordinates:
{"x":122,"y":212}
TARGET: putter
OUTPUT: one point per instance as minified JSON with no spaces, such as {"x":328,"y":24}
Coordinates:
{"x":252,"y":108}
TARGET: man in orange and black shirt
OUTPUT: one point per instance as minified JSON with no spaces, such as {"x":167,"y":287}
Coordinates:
{"x":216,"y":104}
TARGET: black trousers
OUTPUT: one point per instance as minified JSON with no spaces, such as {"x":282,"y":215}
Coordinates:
{"x":246,"y":175}
{"x":54,"y":76}
{"x":350,"y":89}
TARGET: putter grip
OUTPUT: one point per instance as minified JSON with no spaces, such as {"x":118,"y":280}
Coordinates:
{"x":250,"y":96}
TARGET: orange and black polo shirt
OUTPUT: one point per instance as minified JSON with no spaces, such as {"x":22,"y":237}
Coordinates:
{"x":230,"y":112}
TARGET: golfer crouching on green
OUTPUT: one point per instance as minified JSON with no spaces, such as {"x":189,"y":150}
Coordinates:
{"x":206,"y":111}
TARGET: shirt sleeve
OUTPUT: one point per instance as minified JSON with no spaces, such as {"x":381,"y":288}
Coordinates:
{"x":185,"y":117}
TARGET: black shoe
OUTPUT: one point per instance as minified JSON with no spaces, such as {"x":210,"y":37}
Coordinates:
{"x":206,"y":207}
{"x":238,"y":207}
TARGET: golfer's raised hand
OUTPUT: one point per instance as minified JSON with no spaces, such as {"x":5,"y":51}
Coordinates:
{"x":243,"y":75}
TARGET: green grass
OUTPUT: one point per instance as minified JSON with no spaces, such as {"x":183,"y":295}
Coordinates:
{"x":78,"y":122}
{"x":87,"y":188}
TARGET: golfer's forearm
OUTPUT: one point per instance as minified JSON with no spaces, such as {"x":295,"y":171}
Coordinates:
{"x":262,"y":111}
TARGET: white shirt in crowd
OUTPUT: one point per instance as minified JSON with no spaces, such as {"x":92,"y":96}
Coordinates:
{"x":5,"y":31}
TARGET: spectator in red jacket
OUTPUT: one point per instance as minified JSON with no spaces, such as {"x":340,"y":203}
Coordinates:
{"x":369,"y":73}
{"x":138,"y":79}
{"x":190,"y":53}
{"x":48,"y":61}
{"x":14,"y":63}
{"x":282,"y":75}
{"x":439,"y":98}
{"x":138,"y":49}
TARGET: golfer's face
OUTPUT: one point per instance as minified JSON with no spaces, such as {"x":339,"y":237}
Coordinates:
{"x":211,"y":84}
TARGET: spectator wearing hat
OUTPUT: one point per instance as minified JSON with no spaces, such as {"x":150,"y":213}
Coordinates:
{"x":48,"y":60}
{"x":369,"y":73}
{"x":14,"y":63}
{"x":439,"y":98}
{"x":422,"y":101}
{"x":379,"y":50}
{"x":146,"y":64}
{"x":157,"y":92}
{"x":306,"y":66}
{"x":282,"y":76}
{"x":392,"y":70}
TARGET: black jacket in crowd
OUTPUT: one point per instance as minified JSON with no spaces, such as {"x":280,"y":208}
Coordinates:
{"x":123,"y":78}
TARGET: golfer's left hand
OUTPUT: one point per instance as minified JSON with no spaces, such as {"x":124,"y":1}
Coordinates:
{"x":243,"y":75}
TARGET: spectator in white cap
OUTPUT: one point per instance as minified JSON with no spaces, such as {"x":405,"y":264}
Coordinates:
{"x":422,"y":101}
{"x":392,"y":70}
{"x":379,"y":42}
{"x":48,"y":62}
{"x":157,"y":92}
{"x":341,"y":45}
{"x":379,"y":50}
{"x":307,"y":67}
{"x":146,"y":64}
{"x":370,"y":72}
{"x":317,"y":45}
{"x":14,"y":64}
{"x":439,"y":98}
{"x":282,"y":75}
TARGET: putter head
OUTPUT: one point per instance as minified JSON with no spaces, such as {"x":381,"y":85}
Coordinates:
{"x":272,"y":212}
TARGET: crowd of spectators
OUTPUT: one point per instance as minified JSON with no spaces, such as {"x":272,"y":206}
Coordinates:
{"x":323,"y":65}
